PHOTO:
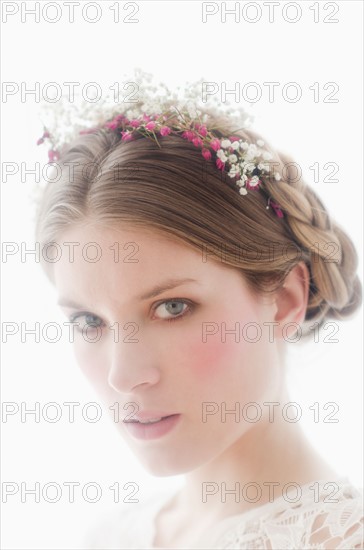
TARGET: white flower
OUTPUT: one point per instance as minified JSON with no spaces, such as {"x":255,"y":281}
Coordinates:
{"x":151,"y":107}
{"x":267,"y":155}
{"x":260,"y":143}
{"x":232,"y":159}
{"x":242,"y":180}
{"x":277,"y":176}
{"x":264,"y":167}
{"x":225,"y":143}
{"x":221,"y":155}
{"x":243,"y":191}
{"x":235,"y":145}
{"x":132,"y":113}
{"x":244,"y":145}
{"x":248,"y":166}
{"x":254,"y":181}
{"x":234,"y":170}
{"x":251,"y":152}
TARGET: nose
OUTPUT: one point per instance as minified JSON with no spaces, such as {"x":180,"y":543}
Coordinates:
{"x":132,"y":364}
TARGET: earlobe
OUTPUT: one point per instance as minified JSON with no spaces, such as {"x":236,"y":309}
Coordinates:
{"x":291,"y":301}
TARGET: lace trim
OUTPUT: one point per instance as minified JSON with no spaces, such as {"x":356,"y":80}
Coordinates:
{"x":279,"y":525}
{"x":303,"y":525}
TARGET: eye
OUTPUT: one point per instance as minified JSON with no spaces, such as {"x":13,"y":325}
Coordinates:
{"x":174,"y":307}
{"x":90,"y":321}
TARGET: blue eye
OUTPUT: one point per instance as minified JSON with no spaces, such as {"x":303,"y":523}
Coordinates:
{"x":89,"y":320}
{"x":175,"y":308}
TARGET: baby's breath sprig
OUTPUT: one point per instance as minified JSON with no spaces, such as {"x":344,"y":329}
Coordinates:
{"x":157,"y":117}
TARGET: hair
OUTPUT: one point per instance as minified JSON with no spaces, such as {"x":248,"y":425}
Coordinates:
{"x":171,"y":188}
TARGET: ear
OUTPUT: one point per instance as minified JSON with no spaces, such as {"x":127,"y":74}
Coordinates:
{"x":291,"y":301}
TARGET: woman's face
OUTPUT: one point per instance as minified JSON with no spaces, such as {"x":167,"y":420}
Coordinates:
{"x":174,"y":353}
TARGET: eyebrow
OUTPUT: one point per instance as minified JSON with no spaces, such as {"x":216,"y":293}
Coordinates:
{"x":155,"y":291}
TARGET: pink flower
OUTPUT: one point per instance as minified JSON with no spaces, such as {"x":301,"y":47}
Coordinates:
{"x":255,"y":186}
{"x":197,"y":142}
{"x":112,"y":125}
{"x":146,"y":118}
{"x":115,"y":122}
{"x":203,"y":131}
{"x":220,"y":164}
{"x":135,"y":123}
{"x":206,"y":154}
{"x":126,"y":136}
{"x":188,"y":134}
{"x":165,"y":131}
{"x":53,"y":155}
{"x":45,"y":135}
{"x":276,"y":209}
{"x":215,"y":144}
{"x":150,"y":126}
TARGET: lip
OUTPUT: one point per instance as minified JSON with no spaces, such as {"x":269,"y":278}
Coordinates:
{"x":154,"y":430}
{"x":144,"y":416}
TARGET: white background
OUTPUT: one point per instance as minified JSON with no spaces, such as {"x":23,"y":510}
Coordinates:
{"x":171,"y":42}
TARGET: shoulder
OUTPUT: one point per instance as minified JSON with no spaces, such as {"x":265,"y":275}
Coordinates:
{"x":336,"y":522}
{"x":328,"y":516}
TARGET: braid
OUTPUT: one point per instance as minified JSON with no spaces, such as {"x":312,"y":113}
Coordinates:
{"x":335,"y":289}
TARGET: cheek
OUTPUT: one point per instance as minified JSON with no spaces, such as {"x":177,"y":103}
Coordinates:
{"x":232,"y":370}
{"x":216,"y":367}
{"x":91,"y":359}
{"x":211,"y":360}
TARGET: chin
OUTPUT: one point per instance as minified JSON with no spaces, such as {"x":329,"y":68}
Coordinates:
{"x":165,"y":468}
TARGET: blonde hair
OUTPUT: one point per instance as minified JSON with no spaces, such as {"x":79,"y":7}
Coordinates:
{"x":174,"y":190}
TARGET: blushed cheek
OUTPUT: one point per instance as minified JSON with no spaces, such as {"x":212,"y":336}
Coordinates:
{"x":226,"y":370}
{"x":214,"y":352}
{"x":212,"y":359}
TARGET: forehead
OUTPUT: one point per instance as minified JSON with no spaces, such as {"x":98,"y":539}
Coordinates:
{"x":104,"y":261}
{"x":137,"y":248}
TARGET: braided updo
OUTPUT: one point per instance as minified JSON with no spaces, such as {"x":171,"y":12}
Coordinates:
{"x":174,"y":190}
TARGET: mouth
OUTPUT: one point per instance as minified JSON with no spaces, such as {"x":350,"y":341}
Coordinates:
{"x":149,"y":420}
{"x":152,"y":427}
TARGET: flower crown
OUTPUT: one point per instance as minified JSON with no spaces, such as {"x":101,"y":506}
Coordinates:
{"x":244,"y":162}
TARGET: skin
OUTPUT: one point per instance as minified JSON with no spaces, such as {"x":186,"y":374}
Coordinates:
{"x":172,"y":369}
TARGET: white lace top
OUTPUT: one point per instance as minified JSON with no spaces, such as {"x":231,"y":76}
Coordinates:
{"x":327,"y":517}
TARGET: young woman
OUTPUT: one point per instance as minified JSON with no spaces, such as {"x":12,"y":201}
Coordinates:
{"x":187,"y":255}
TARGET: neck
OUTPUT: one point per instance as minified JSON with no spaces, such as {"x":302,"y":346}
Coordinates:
{"x":254,"y":470}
